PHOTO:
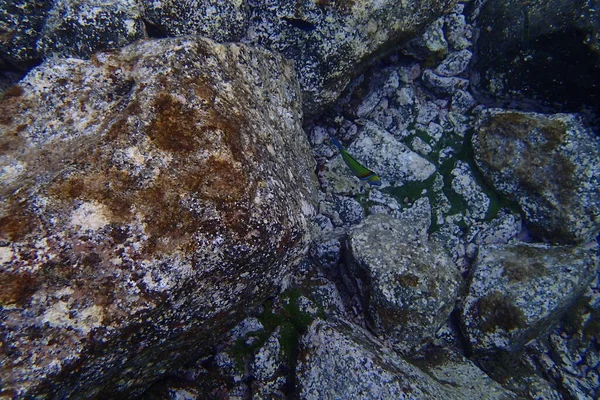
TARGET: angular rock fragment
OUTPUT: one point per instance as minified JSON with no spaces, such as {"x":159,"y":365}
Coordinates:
{"x":341,"y":361}
{"x":149,"y":198}
{"x":392,"y":160}
{"x":517,"y":291}
{"x":407,"y":281}
{"x":549,"y":165}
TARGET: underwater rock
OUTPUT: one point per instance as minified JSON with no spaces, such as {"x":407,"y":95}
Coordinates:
{"x":76,"y":28}
{"x":431,"y":44}
{"x":549,"y":165}
{"x":266,"y":369}
{"x":545,"y":51}
{"x":222,"y":21}
{"x":407,"y":282}
{"x":330,"y":41}
{"x":443,"y":85}
{"x":393,"y":161}
{"x":450,"y":368}
{"x":457,"y":31}
{"x":340,"y":360}
{"x":465,"y":185}
{"x":149,"y":198}
{"x":38,"y":29}
{"x":518,"y":291}
{"x":455,"y":64}
{"x":21,"y":23}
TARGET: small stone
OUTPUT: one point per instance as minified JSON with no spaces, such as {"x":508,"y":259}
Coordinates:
{"x":455,"y":64}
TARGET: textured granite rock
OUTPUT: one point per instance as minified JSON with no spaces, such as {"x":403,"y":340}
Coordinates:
{"x":330,"y":41}
{"x":393,"y":161}
{"x":549,"y":165}
{"x":407,"y":282}
{"x":518,"y":291}
{"x":341,"y":361}
{"x":77,"y":28}
{"x":222,"y":21}
{"x":150,"y":197}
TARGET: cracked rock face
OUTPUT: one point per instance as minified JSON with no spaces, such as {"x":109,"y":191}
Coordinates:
{"x":149,"y":197}
{"x":517,"y":291}
{"x":549,"y":165}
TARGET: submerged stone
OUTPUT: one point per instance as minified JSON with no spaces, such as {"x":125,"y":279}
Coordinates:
{"x":518,"y":291}
{"x":150,"y":196}
{"x":549,"y":165}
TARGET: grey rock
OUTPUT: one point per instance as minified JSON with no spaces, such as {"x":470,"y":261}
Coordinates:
{"x":407,"y":282}
{"x":455,"y":63}
{"x":549,"y":165}
{"x":457,"y":31}
{"x":462,"y":101}
{"x":149,"y":198}
{"x":265,"y":367}
{"x":78,"y":28}
{"x":443,"y":85}
{"x":518,"y":291}
{"x":340,"y":360}
{"x":500,"y":230}
{"x":331,"y":41}
{"x":431,"y":43}
{"x":21,"y":22}
{"x":222,"y":21}
{"x":464,"y":185}
{"x":379,"y":151}
{"x":454,"y":370}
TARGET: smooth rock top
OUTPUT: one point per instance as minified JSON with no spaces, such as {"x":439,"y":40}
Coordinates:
{"x":517,"y":291}
{"x":549,"y":165}
{"x":408,"y":282}
{"x":150,"y":196}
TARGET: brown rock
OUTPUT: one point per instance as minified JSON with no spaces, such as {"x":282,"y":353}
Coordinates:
{"x":150,"y":196}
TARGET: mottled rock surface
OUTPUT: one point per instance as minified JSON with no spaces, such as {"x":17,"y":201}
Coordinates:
{"x":517,"y":291}
{"x":330,"y":41}
{"x":150,"y":197}
{"x":549,"y":165}
{"x":340,"y":361}
{"x":407,"y":282}
{"x":76,"y":28}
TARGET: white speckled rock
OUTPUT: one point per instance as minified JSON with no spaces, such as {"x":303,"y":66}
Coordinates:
{"x":464,"y":185}
{"x":79,"y":28}
{"x":443,"y":85}
{"x":517,"y":291}
{"x":455,"y":64}
{"x":328,"y":40}
{"x":266,"y":369}
{"x":149,"y":197}
{"x":548,"y":164}
{"x":393,"y":161}
{"x":407,"y":281}
{"x":341,"y":361}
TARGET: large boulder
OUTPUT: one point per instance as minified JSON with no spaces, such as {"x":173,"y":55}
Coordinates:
{"x":149,"y":198}
{"x":518,"y":291}
{"x":339,"y":360}
{"x":330,"y":41}
{"x":549,"y":165}
{"x":407,"y":281}
{"x":547,"y":51}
